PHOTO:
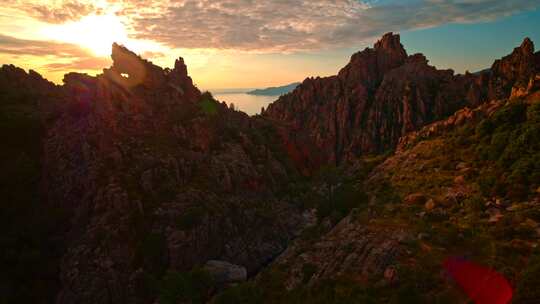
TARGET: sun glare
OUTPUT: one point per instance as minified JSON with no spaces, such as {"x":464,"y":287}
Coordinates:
{"x":95,"y":32}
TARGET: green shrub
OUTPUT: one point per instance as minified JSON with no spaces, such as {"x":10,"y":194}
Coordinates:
{"x":343,"y":199}
{"x":339,"y":291}
{"x":191,"y":218}
{"x":533,"y":113}
{"x":386,"y":193}
{"x":485,"y":128}
{"x":308,"y":270}
{"x":511,"y":114}
{"x":247,"y":293}
{"x":527,"y":290}
{"x":166,"y":190}
{"x":498,"y":143}
{"x":151,"y":252}
{"x":511,"y":139}
{"x":193,"y":287}
{"x":474,"y":204}
{"x":407,"y":294}
{"x":208,"y":105}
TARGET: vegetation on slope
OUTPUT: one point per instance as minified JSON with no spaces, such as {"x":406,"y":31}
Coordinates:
{"x":472,"y":192}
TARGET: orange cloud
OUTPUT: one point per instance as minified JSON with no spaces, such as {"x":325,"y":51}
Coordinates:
{"x":51,"y":56}
{"x":296,"y":25}
{"x":57,"y":11}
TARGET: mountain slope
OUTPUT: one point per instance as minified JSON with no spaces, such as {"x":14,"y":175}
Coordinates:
{"x":464,"y":187}
{"x":152,"y":177}
{"x":150,"y":191}
{"x":382,"y":94}
{"x":274,"y":91}
{"x":30,"y":253}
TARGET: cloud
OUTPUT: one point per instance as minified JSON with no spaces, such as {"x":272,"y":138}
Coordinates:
{"x":16,"y":46}
{"x":149,"y":55}
{"x":284,"y":26}
{"x":95,"y":63}
{"x":59,"y":56}
{"x":272,"y":26}
{"x":240,"y":24}
{"x":55,"y":11}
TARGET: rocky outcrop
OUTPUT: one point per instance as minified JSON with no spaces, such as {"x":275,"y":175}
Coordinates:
{"x":137,"y":173}
{"x":152,"y":176}
{"x":515,"y":69}
{"x":225,"y":272}
{"x":18,"y":87}
{"x":382,"y":94}
{"x":352,"y":249}
{"x":528,"y":90}
{"x":30,"y":252}
{"x":460,"y":118}
{"x":16,"y":79}
{"x":423,"y":201}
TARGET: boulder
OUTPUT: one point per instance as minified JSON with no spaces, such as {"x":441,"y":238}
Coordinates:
{"x":225,"y":272}
{"x":390,"y":274}
{"x":415,"y":199}
{"x":430,"y":204}
{"x":494,"y":214}
{"x":459,"y":179}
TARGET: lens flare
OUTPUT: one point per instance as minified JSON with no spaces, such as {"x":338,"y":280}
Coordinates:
{"x":95,"y":33}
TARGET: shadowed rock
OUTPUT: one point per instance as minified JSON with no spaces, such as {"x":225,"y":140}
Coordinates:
{"x":150,"y":180}
{"x":224,"y":272}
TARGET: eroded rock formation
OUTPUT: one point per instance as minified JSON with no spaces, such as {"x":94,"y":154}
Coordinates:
{"x":382,"y":94}
{"x":153,"y":176}
{"x":138,"y":173}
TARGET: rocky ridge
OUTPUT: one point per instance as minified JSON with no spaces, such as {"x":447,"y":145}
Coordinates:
{"x":450,"y":189}
{"x":143,"y":178}
{"x":382,"y":94}
{"x":152,"y":176}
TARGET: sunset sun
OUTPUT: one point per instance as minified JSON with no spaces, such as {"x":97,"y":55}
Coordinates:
{"x":95,"y":33}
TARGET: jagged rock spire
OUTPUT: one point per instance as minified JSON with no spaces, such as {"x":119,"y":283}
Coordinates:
{"x":527,"y":46}
{"x":180,"y":67}
{"x":389,"y":42}
{"x":369,"y":66}
{"x":143,"y":72}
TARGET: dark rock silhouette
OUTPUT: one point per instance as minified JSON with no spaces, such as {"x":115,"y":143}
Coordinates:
{"x":151,"y":176}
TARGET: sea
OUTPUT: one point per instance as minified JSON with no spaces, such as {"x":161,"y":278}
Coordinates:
{"x":250,"y":104}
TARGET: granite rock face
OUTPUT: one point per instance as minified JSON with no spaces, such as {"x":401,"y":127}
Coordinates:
{"x":382,"y":94}
{"x":137,"y":173}
{"x":225,"y":272}
{"x":459,"y":118}
{"x":30,"y":253}
{"x":153,"y":176}
{"x":420,"y":203}
{"x":514,"y":69}
{"x":351,"y":248}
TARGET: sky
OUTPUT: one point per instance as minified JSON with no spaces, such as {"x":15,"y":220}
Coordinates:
{"x":257,"y":43}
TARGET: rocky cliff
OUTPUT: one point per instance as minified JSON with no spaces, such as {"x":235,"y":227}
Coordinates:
{"x":121,"y":187}
{"x":382,"y":94}
{"x":466,"y":187}
{"x":151,"y":177}
{"x":30,"y":253}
